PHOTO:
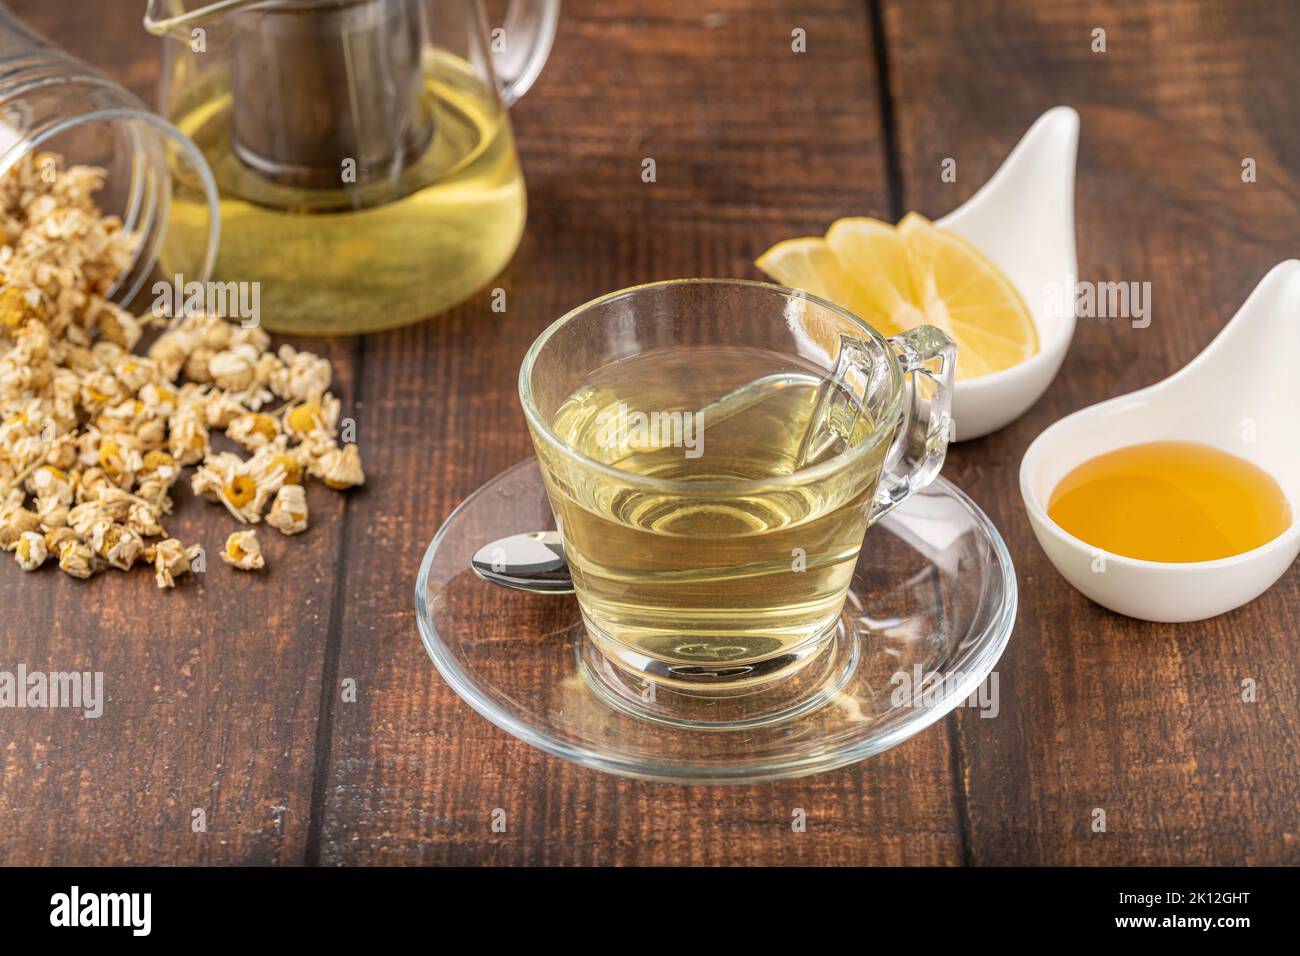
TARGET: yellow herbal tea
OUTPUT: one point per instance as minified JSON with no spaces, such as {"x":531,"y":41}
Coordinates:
{"x":737,"y":573}
{"x":713,"y":452}
{"x":326,"y":265}
{"x":1170,"y":501}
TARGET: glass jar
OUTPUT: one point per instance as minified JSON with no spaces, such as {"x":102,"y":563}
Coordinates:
{"x":51,"y":101}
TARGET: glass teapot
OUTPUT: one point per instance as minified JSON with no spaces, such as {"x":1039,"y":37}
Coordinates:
{"x":363,"y":156}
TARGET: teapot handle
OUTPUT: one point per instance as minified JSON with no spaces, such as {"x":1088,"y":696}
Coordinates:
{"x":528,"y":31}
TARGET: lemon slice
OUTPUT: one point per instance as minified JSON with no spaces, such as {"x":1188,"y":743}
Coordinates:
{"x":899,"y":277}
{"x":810,"y":264}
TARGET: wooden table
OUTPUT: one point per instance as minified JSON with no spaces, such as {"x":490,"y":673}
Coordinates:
{"x":225,"y":695}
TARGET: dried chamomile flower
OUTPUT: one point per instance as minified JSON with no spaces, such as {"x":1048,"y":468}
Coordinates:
{"x":79,"y":360}
{"x":313,"y":448}
{"x":289,"y":510}
{"x":313,"y":417}
{"x":287,"y":463}
{"x":77,"y":559}
{"x":159,"y":400}
{"x":14,"y":523}
{"x":88,"y":447}
{"x":268,"y":368}
{"x":225,"y":478}
{"x":170,"y":353}
{"x":135,"y":372}
{"x":18,"y":375}
{"x":145,"y":520}
{"x":221,"y":408}
{"x":252,"y":335}
{"x":108,"y":355}
{"x":86,"y":516}
{"x":211,"y":331}
{"x":116,"y":325}
{"x":52,"y":512}
{"x":215,"y":474}
{"x":188,"y":437}
{"x":20,"y":422}
{"x":196,"y":364}
{"x":340,"y":468}
{"x":27,"y":368}
{"x":131,"y":420}
{"x":158,"y":472}
{"x":119,"y":545}
{"x":50,"y":482}
{"x":56,"y":538}
{"x":158,"y":466}
{"x":27,"y":452}
{"x":94,"y":483}
{"x":119,"y":463}
{"x":258,"y":396}
{"x":100,"y":389}
{"x":302,"y":377}
{"x":243,"y":552}
{"x":274,"y":465}
{"x":19,"y":305}
{"x":93,"y":435}
{"x":31,"y":551}
{"x":171,"y":560}
{"x":234,"y":367}
{"x":253,"y":430}
{"x":62,"y":452}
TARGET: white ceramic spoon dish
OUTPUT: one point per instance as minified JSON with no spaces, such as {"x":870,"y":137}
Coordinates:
{"x":1023,"y":220}
{"x":1242,"y":395}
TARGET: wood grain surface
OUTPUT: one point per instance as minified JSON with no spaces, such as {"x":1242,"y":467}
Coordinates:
{"x":224,"y":695}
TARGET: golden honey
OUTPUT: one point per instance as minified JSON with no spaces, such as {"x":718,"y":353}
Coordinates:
{"x":1170,"y":501}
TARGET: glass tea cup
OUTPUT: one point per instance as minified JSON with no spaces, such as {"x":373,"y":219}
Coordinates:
{"x":714,"y":452}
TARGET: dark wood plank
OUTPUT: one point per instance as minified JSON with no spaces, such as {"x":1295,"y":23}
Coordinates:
{"x":113,"y":39}
{"x":753,"y":143}
{"x":212,"y":689}
{"x":1099,"y":711}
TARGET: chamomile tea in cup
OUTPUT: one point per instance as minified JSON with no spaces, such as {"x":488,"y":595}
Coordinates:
{"x":714,"y":452}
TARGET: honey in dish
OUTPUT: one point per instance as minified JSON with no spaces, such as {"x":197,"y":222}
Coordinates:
{"x":1170,"y":501}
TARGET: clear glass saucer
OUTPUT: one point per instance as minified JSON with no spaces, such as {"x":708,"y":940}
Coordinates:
{"x":929,"y":612}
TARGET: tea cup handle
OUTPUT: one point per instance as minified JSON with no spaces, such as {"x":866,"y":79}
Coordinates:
{"x":928,"y":359}
{"x":529,"y":31}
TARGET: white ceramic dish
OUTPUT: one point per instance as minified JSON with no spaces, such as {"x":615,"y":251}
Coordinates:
{"x":1023,"y":220}
{"x":1241,"y":394}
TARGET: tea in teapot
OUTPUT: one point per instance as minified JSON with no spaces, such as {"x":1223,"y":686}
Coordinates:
{"x":361,"y":148}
